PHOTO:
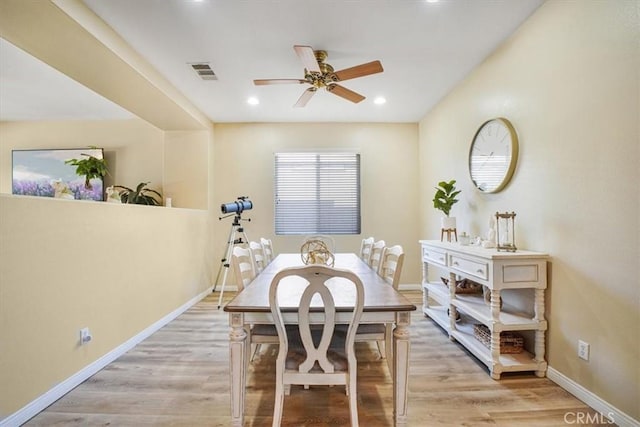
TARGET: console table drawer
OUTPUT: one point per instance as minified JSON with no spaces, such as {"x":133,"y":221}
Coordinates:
{"x":520,"y":273}
{"x":479,"y":269}
{"x":434,"y":256}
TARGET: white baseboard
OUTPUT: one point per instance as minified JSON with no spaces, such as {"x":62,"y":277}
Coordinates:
{"x":604,"y":408}
{"x":409,"y":287}
{"x":36,"y":406}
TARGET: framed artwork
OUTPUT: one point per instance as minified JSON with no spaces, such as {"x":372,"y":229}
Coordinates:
{"x":44,"y":173}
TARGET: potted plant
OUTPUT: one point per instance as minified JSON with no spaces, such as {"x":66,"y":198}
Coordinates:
{"x":444,"y":200}
{"x":140,"y":196}
{"x":90,"y":167}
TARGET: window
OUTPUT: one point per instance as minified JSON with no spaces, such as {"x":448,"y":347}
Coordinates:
{"x":317,"y":193}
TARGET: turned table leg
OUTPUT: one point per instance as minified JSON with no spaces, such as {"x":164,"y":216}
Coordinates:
{"x":237,"y":367}
{"x":401,"y":347}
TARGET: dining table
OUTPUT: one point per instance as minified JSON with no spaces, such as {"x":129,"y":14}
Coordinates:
{"x":382,"y":304}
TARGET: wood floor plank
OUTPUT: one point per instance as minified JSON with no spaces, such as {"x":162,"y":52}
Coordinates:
{"x":179,"y":376}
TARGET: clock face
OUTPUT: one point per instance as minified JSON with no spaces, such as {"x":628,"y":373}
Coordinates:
{"x":493,"y":155}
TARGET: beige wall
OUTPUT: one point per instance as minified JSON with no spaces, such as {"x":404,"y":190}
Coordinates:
{"x":186,"y":168}
{"x":389,"y":173}
{"x":64,"y":265}
{"x":568,"y":81}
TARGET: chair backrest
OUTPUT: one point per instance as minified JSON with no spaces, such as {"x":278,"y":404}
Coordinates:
{"x":243,"y":266}
{"x":313,"y":278}
{"x":365,"y":248}
{"x":391,"y":265}
{"x":267,"y":248}
{"x":258,"y":256}
{"x":376,"y":254}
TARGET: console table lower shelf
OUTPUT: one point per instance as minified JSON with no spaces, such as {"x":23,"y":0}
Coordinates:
{"x":463,"y":333}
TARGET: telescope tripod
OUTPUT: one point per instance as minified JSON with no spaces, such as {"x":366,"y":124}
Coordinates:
{"x":232,"y":240}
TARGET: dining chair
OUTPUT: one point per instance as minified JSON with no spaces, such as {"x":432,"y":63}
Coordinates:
{"x":365,"y":249}
{"x":243,"y":266}
{"x":390,"y":269}
{"x":258,"y":256}
{"x":267,"y":248}
{"x":308,"y":354}
{"x":244,"y":272}
{"x":376,"y":254}
{"x":391,"y":265}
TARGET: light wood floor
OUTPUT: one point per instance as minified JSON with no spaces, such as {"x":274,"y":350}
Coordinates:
{"x":180,"y":377}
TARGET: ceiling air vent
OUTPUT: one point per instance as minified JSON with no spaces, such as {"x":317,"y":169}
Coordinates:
{"x":203,"y":70}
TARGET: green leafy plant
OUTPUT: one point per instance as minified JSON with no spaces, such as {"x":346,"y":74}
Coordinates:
{"x":89,"y":167}
{"x":140,"y":196}
{"x":445,"y":196}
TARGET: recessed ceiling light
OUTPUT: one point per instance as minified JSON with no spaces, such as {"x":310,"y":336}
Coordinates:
{"x":380,"y":100}
{"x":253,"y":101}
{"x":433,"y":1}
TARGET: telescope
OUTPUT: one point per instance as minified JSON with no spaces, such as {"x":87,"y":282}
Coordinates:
{"x":242,"y":204}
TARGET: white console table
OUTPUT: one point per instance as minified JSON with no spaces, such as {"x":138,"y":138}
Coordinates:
{"x":498,"y":271}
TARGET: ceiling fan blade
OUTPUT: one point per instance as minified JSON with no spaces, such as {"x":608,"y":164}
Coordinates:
{"x":261,"y":82}
{"x":306,"y":96}
{"x":345,"y":93}
{"x":308,"y":58}
{"x":361,"y":70}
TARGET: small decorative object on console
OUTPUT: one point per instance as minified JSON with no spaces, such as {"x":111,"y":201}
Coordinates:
{"x":506,"y":239}
{"x":491,"y":234}
{"x":465,"y":239}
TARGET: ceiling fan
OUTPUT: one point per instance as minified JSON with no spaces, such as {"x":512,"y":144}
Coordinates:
{"x":319,"y":74}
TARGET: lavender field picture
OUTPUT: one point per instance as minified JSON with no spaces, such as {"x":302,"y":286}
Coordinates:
{"x":36,"y":171}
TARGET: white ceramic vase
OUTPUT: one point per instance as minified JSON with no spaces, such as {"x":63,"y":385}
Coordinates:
{"x":448,"y":222}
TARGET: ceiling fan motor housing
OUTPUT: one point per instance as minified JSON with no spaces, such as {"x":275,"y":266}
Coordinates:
{"x":325,"y":76}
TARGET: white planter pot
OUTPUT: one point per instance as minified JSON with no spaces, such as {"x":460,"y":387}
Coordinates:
{"x":448,"y":222}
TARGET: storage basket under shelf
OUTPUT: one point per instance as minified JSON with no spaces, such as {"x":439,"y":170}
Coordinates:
{"x":510,"y":342}
{"x":464,"y":286}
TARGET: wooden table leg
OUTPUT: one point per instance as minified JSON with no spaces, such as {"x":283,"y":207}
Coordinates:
{"x":401,"y":347}
{"x":237,"y":367}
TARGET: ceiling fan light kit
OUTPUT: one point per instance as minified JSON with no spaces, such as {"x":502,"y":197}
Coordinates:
{"x":319,"y":74}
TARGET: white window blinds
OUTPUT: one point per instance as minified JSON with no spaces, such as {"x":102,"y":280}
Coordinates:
{"x":317,"y":193}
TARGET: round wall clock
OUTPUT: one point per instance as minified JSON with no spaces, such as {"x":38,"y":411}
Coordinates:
{"x":493,"y":155}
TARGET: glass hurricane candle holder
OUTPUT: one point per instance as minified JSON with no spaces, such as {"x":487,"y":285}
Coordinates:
{"x":506,"y":227}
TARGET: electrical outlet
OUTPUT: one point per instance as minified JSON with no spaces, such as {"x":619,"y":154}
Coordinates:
{"x":583,"y":350}
{"x":85,"y":336}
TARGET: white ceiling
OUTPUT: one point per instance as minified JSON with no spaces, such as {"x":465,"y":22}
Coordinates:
{"x":425,"y":49}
